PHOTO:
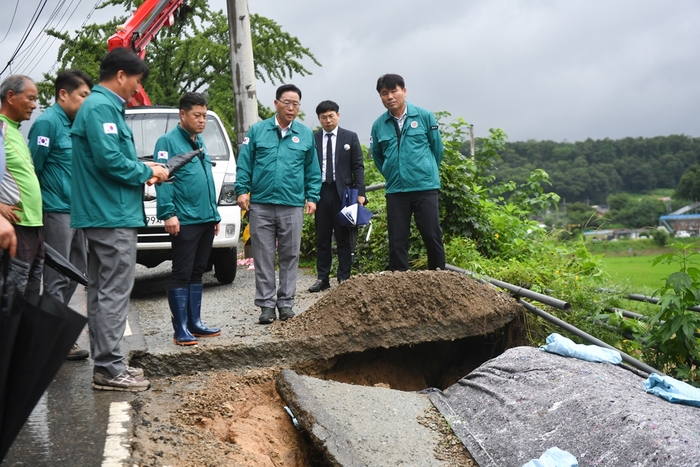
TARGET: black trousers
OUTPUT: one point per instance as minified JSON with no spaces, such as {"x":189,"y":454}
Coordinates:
{"x":423,"y":205}
{"x":191,"y":248}
{"x":326,"y":217}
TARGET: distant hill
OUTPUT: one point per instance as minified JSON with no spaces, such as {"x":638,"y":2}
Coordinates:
{"x":590,"y":170}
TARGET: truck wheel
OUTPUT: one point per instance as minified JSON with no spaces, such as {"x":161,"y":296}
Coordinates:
{"x":225,"y":264}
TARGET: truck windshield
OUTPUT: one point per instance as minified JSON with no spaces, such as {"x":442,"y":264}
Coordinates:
{"x":148,"y":127}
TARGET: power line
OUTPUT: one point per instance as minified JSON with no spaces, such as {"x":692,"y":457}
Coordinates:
{"x":25,"y":54}
{"x":25,"y":36}
{"x":11,"y":22}
{"x":53,"y":39}
{"x":44,"y":41}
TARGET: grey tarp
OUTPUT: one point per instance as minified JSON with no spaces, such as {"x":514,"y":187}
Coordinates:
{"x":514,"y":407}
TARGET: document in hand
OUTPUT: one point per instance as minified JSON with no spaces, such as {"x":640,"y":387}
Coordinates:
{"x":354,"y":215}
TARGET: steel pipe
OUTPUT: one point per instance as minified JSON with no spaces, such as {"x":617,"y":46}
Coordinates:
{"x":654,"y":300}
{"x":516,"y":290}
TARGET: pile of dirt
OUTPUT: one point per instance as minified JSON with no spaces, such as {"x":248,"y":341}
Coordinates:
{"x":389,"y":300}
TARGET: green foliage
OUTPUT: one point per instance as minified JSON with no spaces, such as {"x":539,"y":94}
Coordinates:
{"x":660,"y":237}
{"x":589,"y":171}
{"x":636,"y":213}
{"x":497,"y":217}
{"x":673,"y":344}
{"x":689,"y":184}
{"x":192,"y":55}
{"x":583,"y":215}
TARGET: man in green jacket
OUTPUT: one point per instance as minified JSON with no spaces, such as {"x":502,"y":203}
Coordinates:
{"x":407,"y":149}
{"x":20,"y":195}
{"x":276,"y":177}
{"x":51,"y":148}
{"x":107,"y":202}
{"x":188,"y":208}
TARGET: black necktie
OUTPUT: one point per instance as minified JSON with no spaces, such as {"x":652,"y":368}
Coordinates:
{"x":329,"y":158}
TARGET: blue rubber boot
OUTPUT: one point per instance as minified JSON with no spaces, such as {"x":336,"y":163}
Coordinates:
{"x":177,"y":299}
{"x":194,"y":309}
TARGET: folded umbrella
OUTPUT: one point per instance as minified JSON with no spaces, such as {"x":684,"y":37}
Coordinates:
{"x":174,"y":163}
{"x":43,"y":331}
{"x":352,"y":213}
{"x":56,"y":261}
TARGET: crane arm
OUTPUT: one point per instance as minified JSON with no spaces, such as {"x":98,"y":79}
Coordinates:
{"x":140,"y":29}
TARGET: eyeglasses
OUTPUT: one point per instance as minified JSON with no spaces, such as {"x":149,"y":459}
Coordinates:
{"x":292,"y":104}
{"x":328,"y":118}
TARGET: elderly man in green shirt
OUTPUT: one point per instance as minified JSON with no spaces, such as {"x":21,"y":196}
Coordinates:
{"x":51,"y":148}
{"x":20,"y":195}
{"x":107,"y":202}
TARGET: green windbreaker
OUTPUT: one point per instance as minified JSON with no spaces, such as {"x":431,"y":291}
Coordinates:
{"x":107,"y":181}
{"x":276,"y":170}
{"x":192,"y":195}
{"x":411,"y":162}
{"x":51,"y":148}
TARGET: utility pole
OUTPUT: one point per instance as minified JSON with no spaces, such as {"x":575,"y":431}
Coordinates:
{"x":244,"y":94}
{"x":471,"y":141}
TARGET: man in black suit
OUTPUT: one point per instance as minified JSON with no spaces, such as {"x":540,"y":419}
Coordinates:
{"x":344,"y":168}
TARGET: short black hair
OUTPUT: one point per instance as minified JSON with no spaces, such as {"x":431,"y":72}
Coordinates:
{"x":70,"y":80}
{"x":327,"y":106}
{"x":122,"y":59}
{"x":285,"y":88}
{"x":190,"y":99}
{"x":390,"y":81}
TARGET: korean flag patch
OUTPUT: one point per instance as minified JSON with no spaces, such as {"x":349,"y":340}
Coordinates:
{"x":43,"y":141}
{"x":246,"y":140}
{"x":163,"y":155}
{"x":110,"y":128}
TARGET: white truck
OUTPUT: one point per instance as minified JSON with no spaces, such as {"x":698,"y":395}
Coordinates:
{"x":147,"y":125}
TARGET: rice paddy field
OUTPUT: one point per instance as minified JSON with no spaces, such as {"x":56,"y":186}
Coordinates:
{"x":642,"y":276}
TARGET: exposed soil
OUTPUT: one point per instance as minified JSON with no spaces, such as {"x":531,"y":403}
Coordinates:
{"x":237,"y":418}
{"x":390,"y":300}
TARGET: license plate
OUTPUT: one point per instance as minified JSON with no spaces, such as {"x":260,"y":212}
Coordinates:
{"x":153,"y":220}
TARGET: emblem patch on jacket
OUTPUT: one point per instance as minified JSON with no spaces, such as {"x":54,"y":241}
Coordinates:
{"x":163,"y":155}
{"x":43,"y":141}
{"x":110,"y":128}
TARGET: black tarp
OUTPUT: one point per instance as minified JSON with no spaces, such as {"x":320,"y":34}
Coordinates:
{"x":514,"y":407}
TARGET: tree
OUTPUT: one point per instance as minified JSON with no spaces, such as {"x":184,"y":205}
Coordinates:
{"x":192,"y":55}
{"x":583,"y":215}
{"x":689,"y":185}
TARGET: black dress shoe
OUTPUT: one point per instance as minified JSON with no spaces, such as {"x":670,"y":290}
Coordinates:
{"x":320,"y":285}
{"x":267,"y":316}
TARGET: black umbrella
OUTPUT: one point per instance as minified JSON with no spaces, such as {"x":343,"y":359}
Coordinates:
{"x":175,"y":163}
{"x":41,"y":330}
{"x":55,"y":260}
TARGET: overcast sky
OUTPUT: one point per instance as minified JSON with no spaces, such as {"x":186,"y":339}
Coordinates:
{"x":562,"y":70}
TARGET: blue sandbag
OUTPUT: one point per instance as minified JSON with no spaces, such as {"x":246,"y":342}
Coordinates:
{"x":672,"y":390}
{"x":561,"y":345}
{"x":554,"y":457}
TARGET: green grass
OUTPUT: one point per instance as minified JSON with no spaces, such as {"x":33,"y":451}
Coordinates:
{"x":638,"y":271}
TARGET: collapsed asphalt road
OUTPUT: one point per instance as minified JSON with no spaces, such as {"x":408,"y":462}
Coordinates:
{"x":225,"y":395}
